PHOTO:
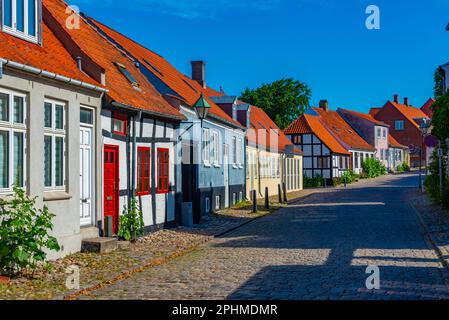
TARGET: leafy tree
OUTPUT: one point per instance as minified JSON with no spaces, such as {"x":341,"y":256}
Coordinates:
{"x":440,"y":120}
{"x":283,"y":100}
{"x":438,"y":87}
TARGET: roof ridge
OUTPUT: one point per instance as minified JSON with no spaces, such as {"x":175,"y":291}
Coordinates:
{"x":123,"y":35}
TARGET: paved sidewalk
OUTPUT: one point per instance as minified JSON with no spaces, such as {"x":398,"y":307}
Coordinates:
{"x":435,"y":220}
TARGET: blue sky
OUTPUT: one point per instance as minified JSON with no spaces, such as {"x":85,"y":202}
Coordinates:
{"x":321,"y":42}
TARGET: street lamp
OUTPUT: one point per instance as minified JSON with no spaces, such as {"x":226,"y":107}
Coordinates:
{"x":202,"y":108}
{"x":424,"y":128}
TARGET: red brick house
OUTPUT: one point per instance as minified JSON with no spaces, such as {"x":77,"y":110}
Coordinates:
{"x":404,"y":121}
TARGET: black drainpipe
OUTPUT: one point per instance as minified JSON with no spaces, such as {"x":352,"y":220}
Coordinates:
{"x":134,"y":155}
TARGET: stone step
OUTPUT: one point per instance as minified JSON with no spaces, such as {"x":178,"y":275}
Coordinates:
{"x":99,"y":245}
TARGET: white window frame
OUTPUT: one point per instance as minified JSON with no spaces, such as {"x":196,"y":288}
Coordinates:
{"x":217,"y":202}
{"x":206,"y":147}
{"x":240,"y":154}
{"x":13,"y":30}
{"x":215,"y":152}
{"x":57,"y":133}
{"x":11,"y":128}
{"x":399,"y":128}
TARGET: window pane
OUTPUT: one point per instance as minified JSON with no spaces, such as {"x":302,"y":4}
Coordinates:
{"x":32,"y":17}
{"x":4,"y":107}
{"x":4,"y":159}
{"x":48,"y":115}
{"x":18,"y":159}
{"x":20,"y":22}
{"x":86,"y":116}
{"x":59,"y":162}
{"x":118,"y":126}
{"x":47,"y":161}
{"x":59,"y":117}
{"x":18,"y":110}
{"x":7,"y":13}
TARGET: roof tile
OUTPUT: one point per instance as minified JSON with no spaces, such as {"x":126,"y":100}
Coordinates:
{"x":188,"y":89}
{"x":106,"y":55}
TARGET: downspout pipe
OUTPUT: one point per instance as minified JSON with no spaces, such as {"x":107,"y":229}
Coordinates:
{"x":49,"y":75}
{"x":134,"y":154}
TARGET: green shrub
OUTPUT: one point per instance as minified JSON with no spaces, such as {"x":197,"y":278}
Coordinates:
{"x":432,"y":182}
{"x":131,"y":223}
{"x":406,"y":167}
{"x":315,"y":182}
{"x":336,"y":181}
{"x":24,"y":234}
{"x":349,"y":177}
{"x":373,"y":168}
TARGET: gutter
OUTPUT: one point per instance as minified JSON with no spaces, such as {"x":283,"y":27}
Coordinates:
{"x":234,"y":125}
{"x":49,"y":75}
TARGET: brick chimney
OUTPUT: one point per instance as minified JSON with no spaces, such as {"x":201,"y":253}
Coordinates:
{"x":406,"y":101}
{"x":396,"y":98}
{"x":199,"y":72}
{"x":324,"y":104}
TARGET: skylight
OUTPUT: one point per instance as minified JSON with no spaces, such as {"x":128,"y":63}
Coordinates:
{"x":127,"y":75}
{"x":189,"y":85}
{"x":152,"y":66}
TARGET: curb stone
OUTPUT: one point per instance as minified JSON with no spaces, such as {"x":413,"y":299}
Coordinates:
{"x":433,"y":242}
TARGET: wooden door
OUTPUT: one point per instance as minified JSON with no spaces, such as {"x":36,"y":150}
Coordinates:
{"x":111,"y":185}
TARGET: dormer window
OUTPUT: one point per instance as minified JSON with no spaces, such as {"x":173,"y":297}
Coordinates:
{"x":20,"y":18}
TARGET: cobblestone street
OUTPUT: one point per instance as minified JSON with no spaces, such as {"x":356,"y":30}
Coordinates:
{"x":318,"y":248}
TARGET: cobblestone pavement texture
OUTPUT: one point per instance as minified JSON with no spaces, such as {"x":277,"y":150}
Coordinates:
{"x":317,"y":248}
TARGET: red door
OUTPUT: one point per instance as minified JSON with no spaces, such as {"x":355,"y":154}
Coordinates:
{"x":111,"y":185}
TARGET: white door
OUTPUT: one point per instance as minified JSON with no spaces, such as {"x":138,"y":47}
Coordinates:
{"x":226,"y":173}
{"x":86,"y":176}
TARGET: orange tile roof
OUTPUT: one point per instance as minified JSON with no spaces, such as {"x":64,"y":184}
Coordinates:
{"x":341,"y":129}
{"x":299,"y":126}
{"x":368,"y":117}
{"x":308,"y":124}
{"x":395,"y":144}
{"x":106,"y":55}
{"x":427,"y":107}
{"x":51,"y":56}
{"x":184,"y":86}
{"x":411,"y":113}
{"x":259,"y":120}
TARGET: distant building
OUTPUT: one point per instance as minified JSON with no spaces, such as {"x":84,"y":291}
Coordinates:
{"x":404,"y":121}
{"x":329,"y":144}
{"x":377,"y":133}
{"x":427,"y":107}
